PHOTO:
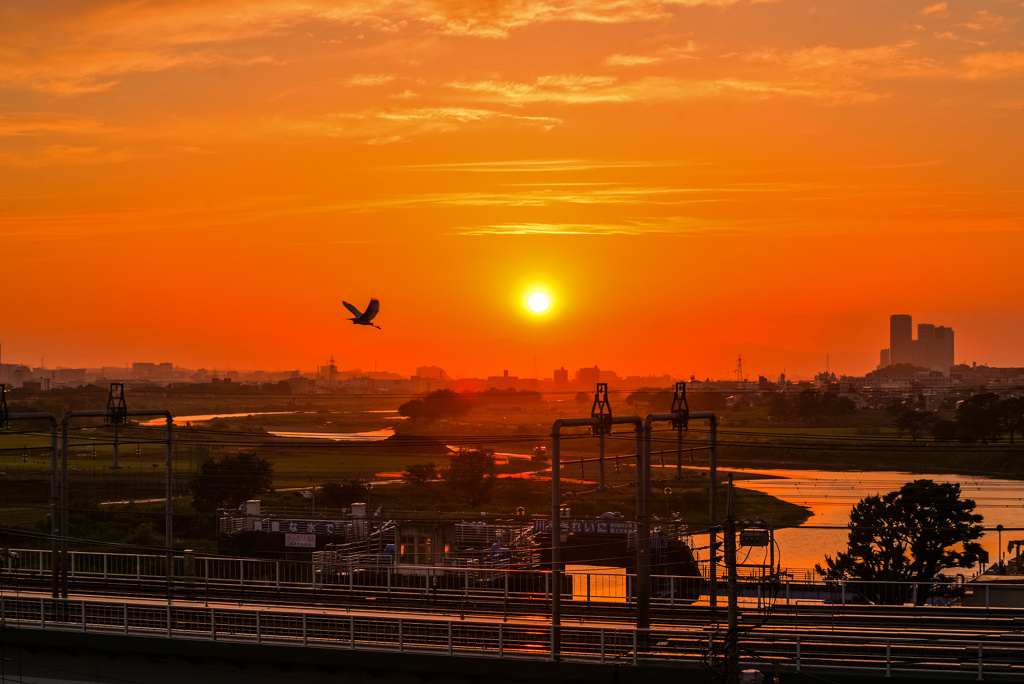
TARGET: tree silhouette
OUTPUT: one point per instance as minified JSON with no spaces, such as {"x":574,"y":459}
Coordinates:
{"x":420,"y":473}
{"x":914,"y":422}
{"x":471,"y":472}
{"x":979,"y":419}
{"x":1011,"y":413}
{"x":230,"y":482}
{"x":442,"y":403}
{"x":908,"y":535}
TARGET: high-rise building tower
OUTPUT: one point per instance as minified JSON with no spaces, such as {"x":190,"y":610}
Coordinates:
{"x":944,"y":346}
{"x":933,"y":348}
{"x":900,"y":338}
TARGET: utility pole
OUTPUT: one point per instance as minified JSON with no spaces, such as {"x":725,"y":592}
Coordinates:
{"x":602,"y":411}
{"x":681,"y":408}
{"x":116,"y":411}
{"x":732,"y":642}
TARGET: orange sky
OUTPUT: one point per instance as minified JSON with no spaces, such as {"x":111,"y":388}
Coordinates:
{"x":204,"y":182}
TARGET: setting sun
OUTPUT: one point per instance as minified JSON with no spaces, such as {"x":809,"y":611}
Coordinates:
{"x":538,"y":302}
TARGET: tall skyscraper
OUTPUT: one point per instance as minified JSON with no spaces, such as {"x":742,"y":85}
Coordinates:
{"x":900,"y":338}
{"x":944,"y":345}
{"x":933,"y":348}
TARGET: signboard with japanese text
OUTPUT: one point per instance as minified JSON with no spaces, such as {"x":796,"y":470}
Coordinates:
{"x":598,"y":526}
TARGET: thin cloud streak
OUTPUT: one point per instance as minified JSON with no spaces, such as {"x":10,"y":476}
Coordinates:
{"x":548,"y":165}
{"x":579,"y":90}
{"x":674,"y":226}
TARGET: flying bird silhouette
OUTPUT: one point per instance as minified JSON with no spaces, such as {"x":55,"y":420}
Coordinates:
{"x":364,"y":318}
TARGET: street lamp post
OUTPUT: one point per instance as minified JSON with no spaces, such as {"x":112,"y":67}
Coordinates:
{"x":999,"y":530}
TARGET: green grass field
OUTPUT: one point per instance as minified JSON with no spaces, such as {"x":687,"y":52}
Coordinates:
{"x":303,"y":463}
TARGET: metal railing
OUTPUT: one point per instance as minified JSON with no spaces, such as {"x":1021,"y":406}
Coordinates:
{"x":992,"y":659}
{"x":378,"y":574}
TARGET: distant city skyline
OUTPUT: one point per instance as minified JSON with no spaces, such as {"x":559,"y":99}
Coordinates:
{"x":934,"y":347}
{"x":796,"y":366}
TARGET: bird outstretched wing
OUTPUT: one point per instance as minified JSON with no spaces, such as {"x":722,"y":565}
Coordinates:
{"x":355,"y":312}
{"x":371,"y":309}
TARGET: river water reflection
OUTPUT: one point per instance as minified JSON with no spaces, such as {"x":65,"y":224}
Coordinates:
{"x":364,"y":436}
{"x":831,"y":496}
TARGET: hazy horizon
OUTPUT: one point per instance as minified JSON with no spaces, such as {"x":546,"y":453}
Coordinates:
{"x":801,"y":366}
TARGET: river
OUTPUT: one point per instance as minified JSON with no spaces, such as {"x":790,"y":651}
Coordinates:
{"x":366,"y":436}
{"x":831,"y":495}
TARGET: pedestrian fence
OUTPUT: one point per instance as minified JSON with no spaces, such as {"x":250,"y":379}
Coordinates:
{"x":983,"y":659}
{"x":378,"y":574}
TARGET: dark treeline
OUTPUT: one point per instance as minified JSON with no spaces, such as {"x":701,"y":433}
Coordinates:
{"x":810,"y":407}
{"x":981,"y":418}
{"x":446,"y":403}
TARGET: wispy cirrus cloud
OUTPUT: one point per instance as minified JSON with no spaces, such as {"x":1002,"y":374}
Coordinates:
{"x":993,"y":65}
{"x":983,"y":20}
{"x":548,"y":165}
{"x":939,"y":9}
{"x":71,"y":48}
{"x":664,"y":54}
{"x":371,"y":79}
{"x":392,"y":125}
{"x":470,"y":17}
{"x":543,"y":195}
{"x":880,"y":61}
{"x":551,"y":196}
{"x":34,"y":123}
{"x":581,"y":89}
{"x":67,"y":155}
{"x":86,"y":141}
{"x":670,"y":225}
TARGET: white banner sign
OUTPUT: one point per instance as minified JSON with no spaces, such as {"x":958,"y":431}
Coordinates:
{"x":300,"y":541}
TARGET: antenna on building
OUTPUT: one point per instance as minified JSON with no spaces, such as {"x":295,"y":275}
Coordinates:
{"x":828,"y":371}
{"x":534,"y":366}
{"x":739,"y":368}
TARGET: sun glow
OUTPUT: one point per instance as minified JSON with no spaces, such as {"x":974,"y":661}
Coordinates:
{"x":538,"y":302}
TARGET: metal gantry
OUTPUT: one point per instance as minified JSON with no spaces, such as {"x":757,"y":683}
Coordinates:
{"x":57,"y":531}
{"x":61,"y":570}
{"x":602,"y":411}
{"x":601,"y":420}
{"x":116,"y":413}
